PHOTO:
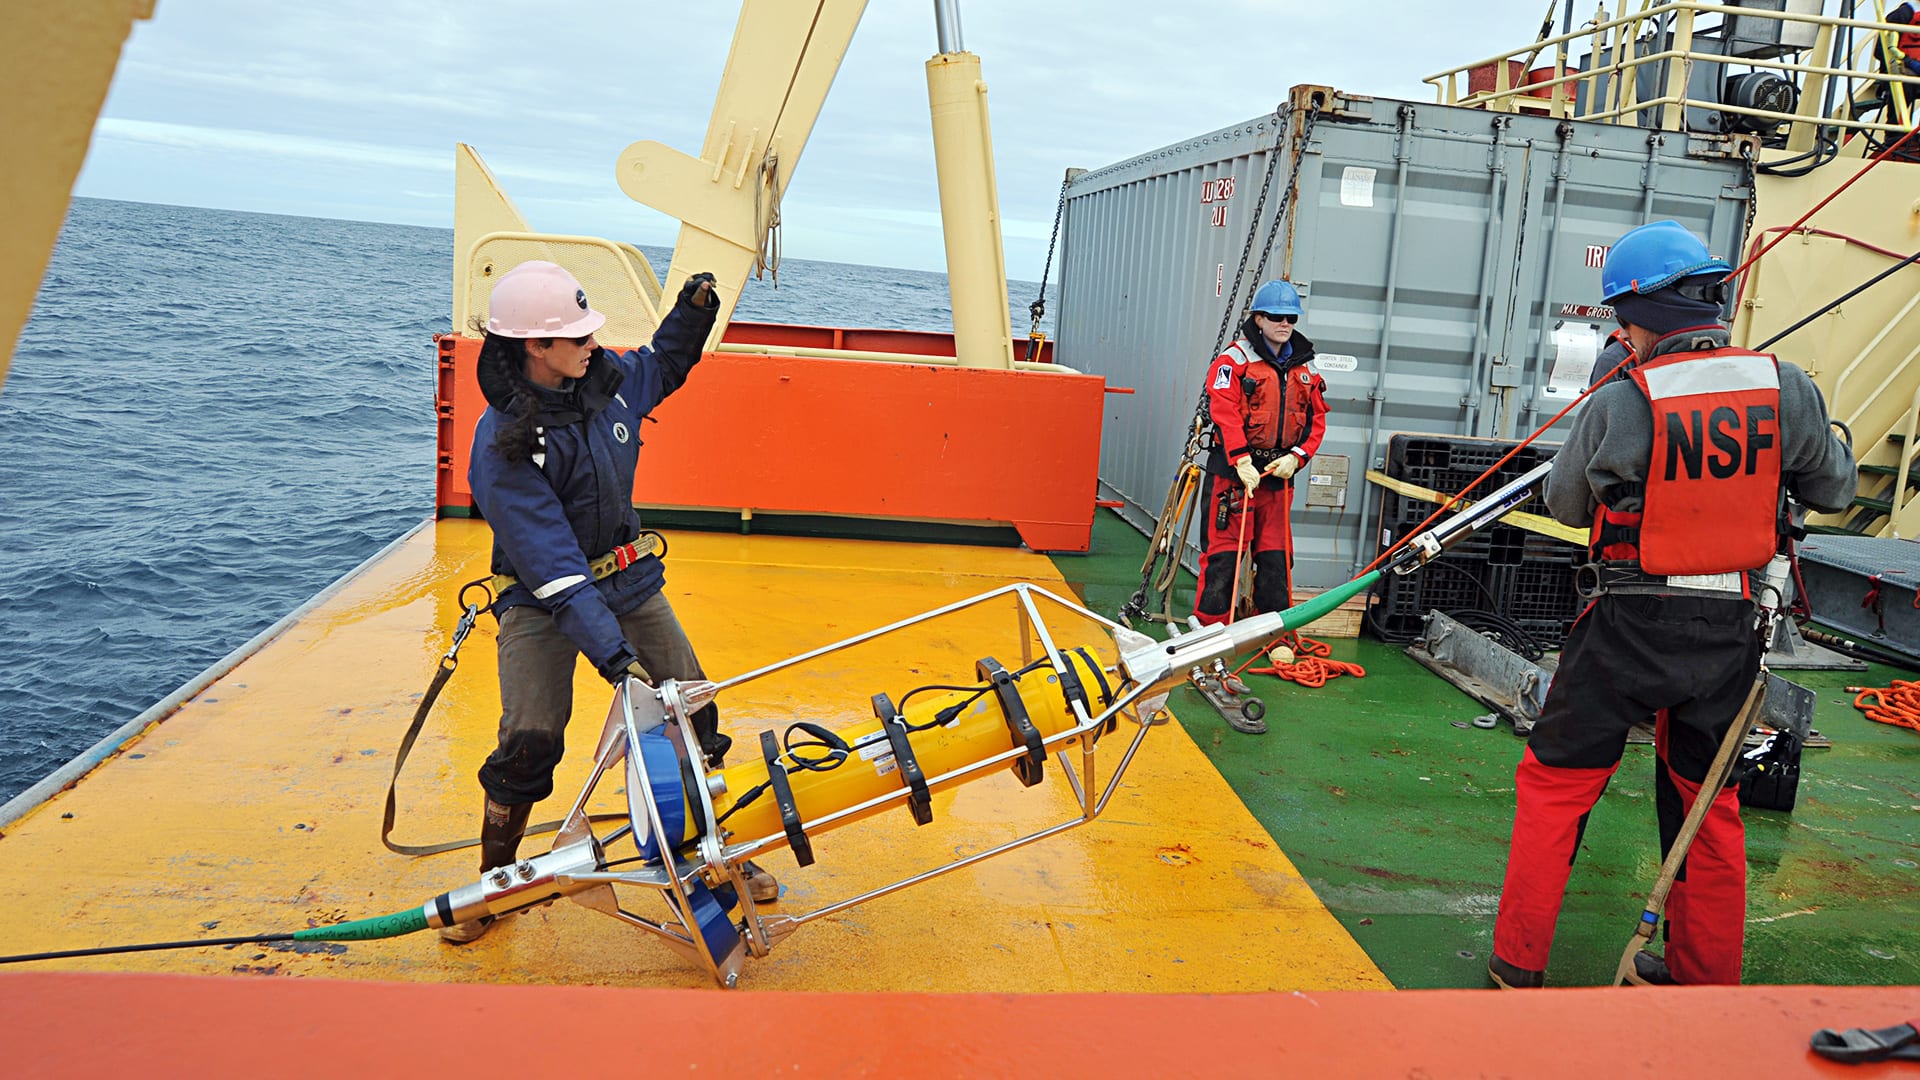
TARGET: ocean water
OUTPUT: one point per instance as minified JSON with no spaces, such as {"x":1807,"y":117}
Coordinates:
{"x":212,"y":415}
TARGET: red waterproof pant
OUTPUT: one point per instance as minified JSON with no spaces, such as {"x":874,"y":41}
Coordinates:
{"x":1688,"y":663}
{"x":1268,"y":534}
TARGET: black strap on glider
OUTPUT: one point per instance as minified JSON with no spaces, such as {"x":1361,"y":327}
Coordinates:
{"x":1100,"y":676}
{"x":1030,"y":768}
{"x":783,"y":798}
{"x":920,"y":801}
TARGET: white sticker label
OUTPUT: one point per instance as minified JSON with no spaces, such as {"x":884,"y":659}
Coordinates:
{"x":1575,"y":345}
{"x":1356,"y":186}
{"x":1707,"y":582}
{"x":1336,"y":362}
{"x":876,"y":748}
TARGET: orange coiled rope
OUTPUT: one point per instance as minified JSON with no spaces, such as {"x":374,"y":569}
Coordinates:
{"x":1311,"y":666}
{"x":1898,"y":704}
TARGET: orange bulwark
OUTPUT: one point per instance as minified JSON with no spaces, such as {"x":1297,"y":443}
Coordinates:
{"x":160,"y":1025}
{"x":806,"y":435}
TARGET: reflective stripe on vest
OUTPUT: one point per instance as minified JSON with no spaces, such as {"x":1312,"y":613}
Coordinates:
{"x":1278,"y":416}
{"x":1713,"y":480}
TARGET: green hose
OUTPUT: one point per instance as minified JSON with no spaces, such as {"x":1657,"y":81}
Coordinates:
{"x":383,"y":926}
{"x":1300,"y":615}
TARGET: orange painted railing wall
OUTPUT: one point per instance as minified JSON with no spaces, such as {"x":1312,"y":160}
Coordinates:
{"x":799,"y":435}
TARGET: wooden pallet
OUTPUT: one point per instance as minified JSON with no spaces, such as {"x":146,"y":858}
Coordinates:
{"x":1341,"y":622}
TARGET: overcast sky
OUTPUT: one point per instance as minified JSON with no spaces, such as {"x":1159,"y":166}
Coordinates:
{"x":351,"y":108}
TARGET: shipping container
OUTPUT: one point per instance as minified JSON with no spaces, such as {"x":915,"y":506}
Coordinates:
{"x":1448,"y":259}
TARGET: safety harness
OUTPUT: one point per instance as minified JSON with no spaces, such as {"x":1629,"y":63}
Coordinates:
{"x":647,"y":543}
{"x":605,"y":566}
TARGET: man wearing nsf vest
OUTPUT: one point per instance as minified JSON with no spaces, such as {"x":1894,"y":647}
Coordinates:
{"x":1679,"y":470}
{"x":1269,"y":410}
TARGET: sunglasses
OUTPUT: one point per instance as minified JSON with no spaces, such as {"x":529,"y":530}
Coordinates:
{"x":1288,"y":319}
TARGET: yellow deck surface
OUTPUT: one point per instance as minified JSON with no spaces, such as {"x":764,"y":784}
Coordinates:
{"x":256,"y":807}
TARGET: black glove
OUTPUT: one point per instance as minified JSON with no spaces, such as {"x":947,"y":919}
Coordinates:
{"x":623,"y":664}
{"x":700,"y":293}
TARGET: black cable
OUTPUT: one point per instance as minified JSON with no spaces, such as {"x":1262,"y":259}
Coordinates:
{"x":1505,"y":630}
{"x":1825,"y":149}
{"x":109,"y":950}
{"x":980,"y":690}
{"x":838,"y":754}
{"x":1857,"y":290}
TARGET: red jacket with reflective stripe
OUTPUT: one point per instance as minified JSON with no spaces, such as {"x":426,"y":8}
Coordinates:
{"x":1713,"y":481}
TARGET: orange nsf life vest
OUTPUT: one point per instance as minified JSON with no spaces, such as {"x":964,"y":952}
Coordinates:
{"x":1713,"y":480}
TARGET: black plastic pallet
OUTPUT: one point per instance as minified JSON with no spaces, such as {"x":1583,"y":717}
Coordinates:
{"x":1519,"y":575}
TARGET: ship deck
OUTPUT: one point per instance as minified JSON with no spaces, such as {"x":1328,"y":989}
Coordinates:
{"x":1357,"y":846}
{"x":256,"y":807}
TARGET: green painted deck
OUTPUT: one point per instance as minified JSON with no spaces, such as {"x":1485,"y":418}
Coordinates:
{"x":1397,"y":812}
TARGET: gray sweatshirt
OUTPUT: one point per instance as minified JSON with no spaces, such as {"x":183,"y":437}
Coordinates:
{"x":1612,"y":439}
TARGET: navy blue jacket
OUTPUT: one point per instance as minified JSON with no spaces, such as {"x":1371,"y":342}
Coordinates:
{"x":573,"y":500}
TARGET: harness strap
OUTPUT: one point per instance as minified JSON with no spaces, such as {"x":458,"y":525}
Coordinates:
{"x":448,"y":664}
{"x":1596,"y":579}
{"x":895,"y":725}
{"x":604,"y":566}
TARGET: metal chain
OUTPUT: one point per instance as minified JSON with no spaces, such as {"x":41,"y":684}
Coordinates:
{"x":1196,"y":438}
{"x":1038,"y":309}
{"x":1280,"y":212}
{"x":1753,"y":195}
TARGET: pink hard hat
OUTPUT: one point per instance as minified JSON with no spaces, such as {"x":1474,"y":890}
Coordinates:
{"x":540,"y":299}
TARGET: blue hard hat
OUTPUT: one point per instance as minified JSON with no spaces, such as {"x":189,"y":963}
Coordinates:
{"x":1654,"y":256}
{"x":1277,"y":298}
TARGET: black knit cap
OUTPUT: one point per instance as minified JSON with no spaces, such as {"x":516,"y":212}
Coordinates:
{"x":1665,"y":310}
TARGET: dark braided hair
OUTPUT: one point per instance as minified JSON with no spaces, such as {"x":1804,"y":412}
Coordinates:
{"x":503,"y":368}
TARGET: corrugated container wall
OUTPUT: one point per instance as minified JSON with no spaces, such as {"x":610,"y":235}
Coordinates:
{"x":1449,"y":263}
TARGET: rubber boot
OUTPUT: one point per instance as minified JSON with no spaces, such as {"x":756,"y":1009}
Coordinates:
{"x":501,"y":828}
{"x":706,"y":728}
{"x":1650,"y":970}
{"x":1513,"y":977}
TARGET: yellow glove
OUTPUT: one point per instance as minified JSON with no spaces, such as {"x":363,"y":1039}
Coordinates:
{"x":1284,"y":466}
{"x":1249,"y":475}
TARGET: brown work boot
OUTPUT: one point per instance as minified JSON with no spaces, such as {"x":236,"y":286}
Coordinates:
{"x":500,"y":832}
{"x":762,"y":886}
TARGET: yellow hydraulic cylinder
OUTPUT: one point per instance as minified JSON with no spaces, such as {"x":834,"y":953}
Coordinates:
{"x":978,"y":730}
{"x":970,"y":211}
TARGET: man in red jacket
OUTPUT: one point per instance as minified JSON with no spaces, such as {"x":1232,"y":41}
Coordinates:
{"x":1269,"y":411}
